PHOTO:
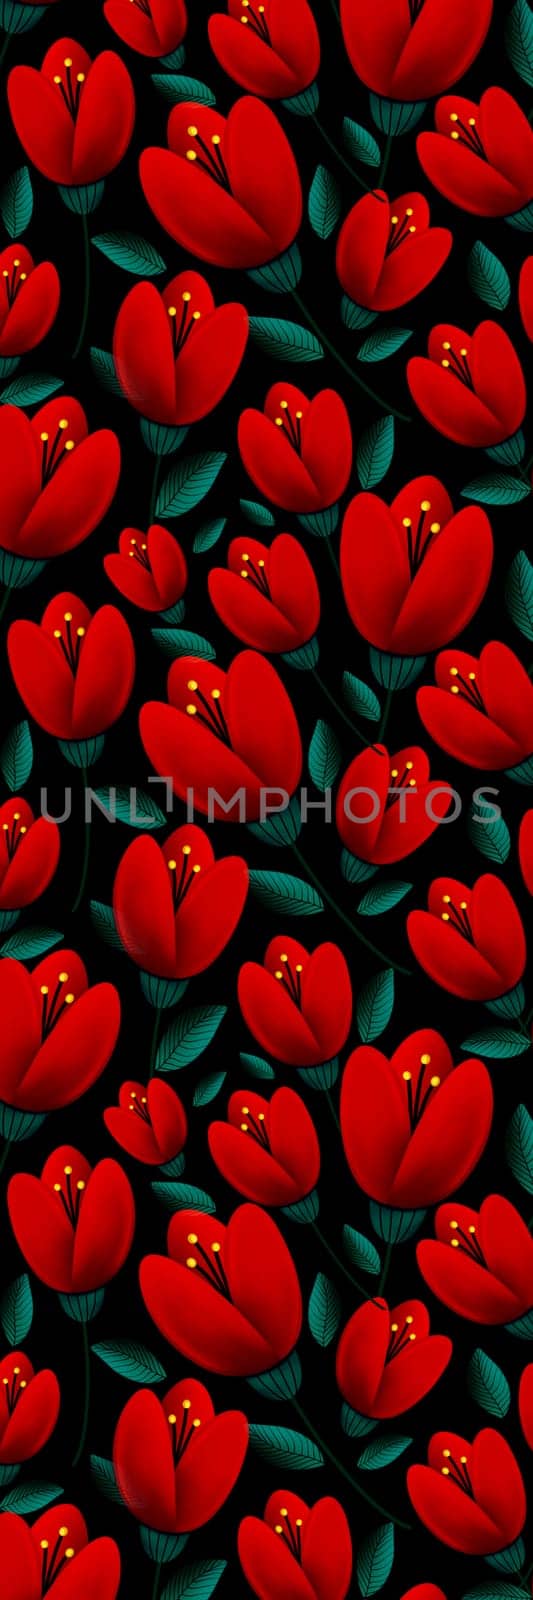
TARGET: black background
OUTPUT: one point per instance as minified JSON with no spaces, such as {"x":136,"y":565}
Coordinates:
{"x":53,"y":1340}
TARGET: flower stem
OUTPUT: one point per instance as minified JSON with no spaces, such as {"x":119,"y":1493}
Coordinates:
{"x":339,"y":155}
{"x":347,"y":920}
{"x":4,"y":600}
{"x":155,"y":486}
{"x":329,"y":696}
{"x":338,"y":1262}
{"x":86,"y":1394}
{"x":86,"y":287}
{"x":385,"y":405}
{"x":155,"y":1038}
{"x":86,"y":850}
{"x":4,"y":1155}
{"x":389,"y":1515}
{"x":384,"y":162}
{"x":331,"y":1104}
{"x":385,"y":1268}
{"x":4,"y":48}
{"x":384,"y":716}
{"x":157,"y":1577}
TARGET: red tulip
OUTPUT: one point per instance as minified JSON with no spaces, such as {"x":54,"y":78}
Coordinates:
{"x":277,"y":52}
{"x":297,"y":451}
{"x":29,"y":853}
{"x":480,"y":1264}
{"x":58,"y":1034}
{"x":57,"y":1547}
{"x":387,"y":252}
{"x":375,"y":779}
{"x":525,"y":294}
{"x":176,"y":907}
{"x":227,"y":1298}
{"x":387,"y":1360}
{"x":175,"y":1461}
{"x":73,"y":671}
{"x":224,"y":732}
{"x":481,"y":156}
{"x":471,"y":1496}
{"x":278,"y":607}
{"x":227,"y":189}
{"x":525,"y":849}
{"x":298,"y":1006}
{"x":424,"y":1591}
{"x":476,"y":947}
{"x":297,"y":1552}
{"x":150,"y":570}
{"x":525,"y":1404}
{"x":57,"y":480}
{"x":74,"y":117}
{"x":29,"y":1408}
{"x":74,"y":1224}
{"x":410,"y":51}
{"x":414,"y":573}
{"x":268,"y":1149}
{"x":414,"y":1127}
{"x":29,"y":301}
{"x":149,"y":1121}
{"x":153,"y":27}
{"x":482,"y":710}
{"x":176,"y":354}
{"x":475,"y":393}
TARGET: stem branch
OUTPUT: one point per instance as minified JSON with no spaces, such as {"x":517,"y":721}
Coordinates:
{"x":384,"y":404}
{"x":86,"y":287}
{"x":86,"y":848}
{"x":347,"y":920}
{"x":86,"y":1394}
{"x":389,"y":1515}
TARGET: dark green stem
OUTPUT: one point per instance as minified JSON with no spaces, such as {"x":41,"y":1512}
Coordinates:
{"x":4,"y":48}
{"x":339,"y":1262}
{"x":155,"y":1039}
{"x":332,"y":1107}
{"x":389,"y":1515}
{"x":385,"y":1269}
{"x":4,"y":600}
{"x":332,"y":557}
{"x":155,"y":486}
{"x":384,"y":716}
{"x":86,"y":848}
{"x":156,"y":1582}
{"x":4,"y":1155}
{"x":329,"y":696}
{"x":86,"y":1394}
{"x":385,"y":404}
{"x":339,"y":155}
{"x":86,"y":287}
{"x":345,"y":919}
{"x":384,"y":162}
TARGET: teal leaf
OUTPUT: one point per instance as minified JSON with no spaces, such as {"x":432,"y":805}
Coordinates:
{"x":360,"y":697}
{"x":324,"y":1310}
{"x":104,"y":924}
{"x":130,"y":1359}
{"x":375,"y":452}
{"x":360,"y":143}
{"x":382,"y":343}
{"x":26,"y":1497}
{"x":188,"y":1037}
{"x":30,"y":389}
{"x":188,"y":483}
{"x":519,"y":40}
{"x":382,"y":897}
{"x":375,"y":1003}
{"x":133,"y":806}
{"x":208,"y":1088}
{"x":184,"y":1197}
{"x":519,"y":1147}
{"x":286,"y":341}
{"x":488,"y":1385}
{"x":256,"y":1066}
{"x":16,"y":1310}
{"x":281,"y":1447}
{"x":325,"y":756}
{"x":255,"y":512}
{"x":497,"y":489}
{"x":103,"y":368}
{"x":374,"y":1559}
{"x":195,"y":1582}
{"x":208,"y":535}
{"x":130,"y":251}
{"x":497,"y":1589}
{"x":175,"y":88}
{"x":360,"y":1251}
{"x":381,"y":1452}
{"x":519,"y":593}
{"x":180,"y":642}
{"x":324,"y":203}
{"x":491,"y":838}
{"x":16,"y":756}
{"x":284,"y":894}
{"x":103,"y":1479}
{"x":16,"y":203}
{"x":26,"y":943}
{"x":497,"y":1044}
{"x":487,"y":276}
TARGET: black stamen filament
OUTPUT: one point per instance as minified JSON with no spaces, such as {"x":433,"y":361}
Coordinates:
{"x":292,"y":979}
{"x":419,"y":541}
{"x":458,"y":1472}
{"x":14,"y":283}
{"x":51,"y":459}
{"x":291,"y":425}
{"x":212,"y":716}
{"x":213,"y":163}
{"x":468,"y":1243}
{"x":257,"y":22}
{"x":213,"y":1270}
{"x":400,"y":231}
{"x":457,"y":364}
{"x":292,"y":1534}
{"x":458,"y":916}
{"x":181,"y":331}
{"x":468,"y":689}
{"x":415,"y":7}
{"x":51,"y":1011}
{"x":467,"y":134}
{"x":417,"y":1103}
{"x":13,"y":1392}
{"x":71,"y":1202}
{"x":256,"y":574}
{"x":256,"y":1128}
{"x":70,"y":646}
{"x":399,"y":1338}
{"x":70,"y":92}
{"x":139,"y":553}
{"x":51,"y":1565}
{"x":181,"y":885}
{"x":142,"y":5}
{"x":406,"y":781}
{"x":182,"y":1440}
{"x":140,"y":1107}
{"x":12,"y":839}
